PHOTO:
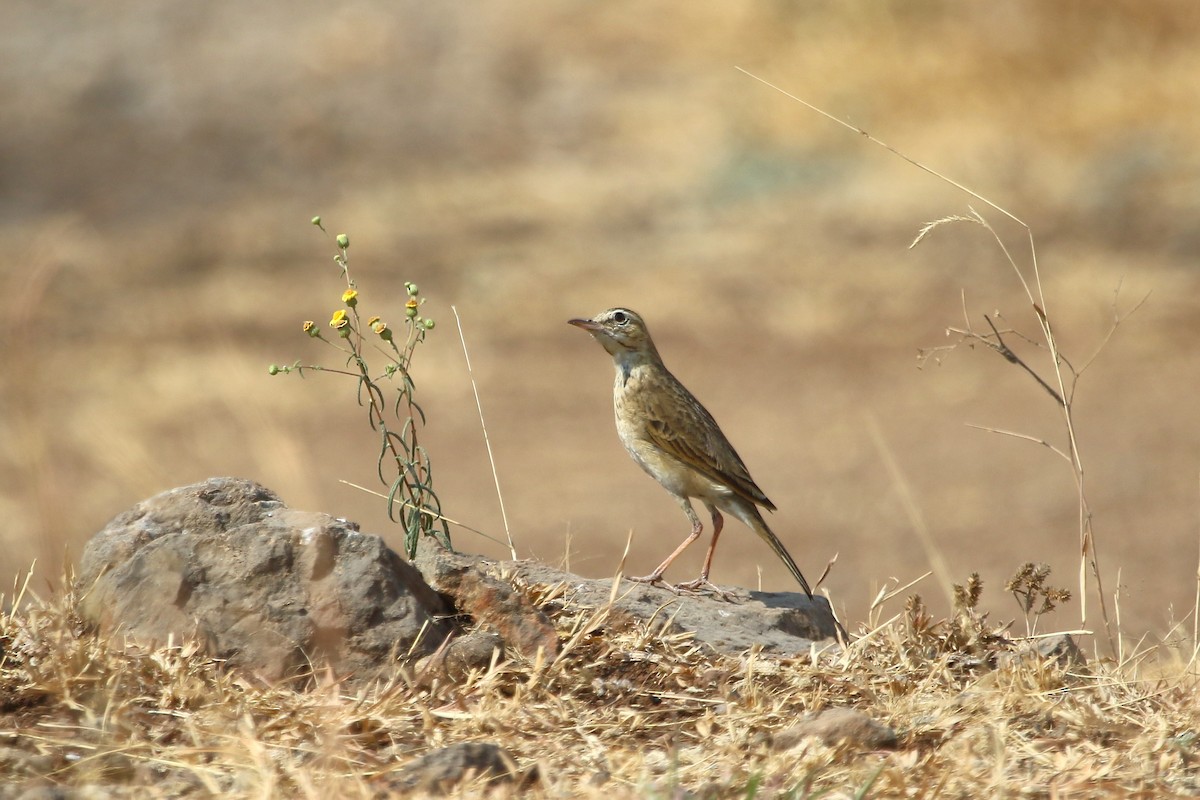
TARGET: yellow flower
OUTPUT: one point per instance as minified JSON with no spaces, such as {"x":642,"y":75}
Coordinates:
{"x":310,"y":328}
{"x":371,"y":322}
{"x":339,"y":320}
{"x":350,"y":298}
{"x":410,"y":308}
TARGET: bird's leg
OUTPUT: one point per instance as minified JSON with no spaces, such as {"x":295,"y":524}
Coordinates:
{"x":718,"y":524}
{"x":657,"y":575}
{"x":703,"y":582}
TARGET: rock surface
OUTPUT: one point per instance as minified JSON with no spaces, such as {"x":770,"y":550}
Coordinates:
{"x":482,"y":589}
{"x":272,"y":590}
{"x":780,"y":623}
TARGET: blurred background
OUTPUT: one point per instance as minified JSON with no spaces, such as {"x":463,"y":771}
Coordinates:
{"x":160,"y":162}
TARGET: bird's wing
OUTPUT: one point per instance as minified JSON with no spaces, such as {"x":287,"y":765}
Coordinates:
{"x":694,"y":438}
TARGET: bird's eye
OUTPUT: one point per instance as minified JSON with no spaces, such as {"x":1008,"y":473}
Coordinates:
{"x":620,"y":318}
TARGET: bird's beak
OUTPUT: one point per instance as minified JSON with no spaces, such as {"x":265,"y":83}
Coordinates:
{"x":586,"y":324}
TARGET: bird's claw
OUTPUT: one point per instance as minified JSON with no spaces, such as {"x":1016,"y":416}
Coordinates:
{"x":653,"y":580}
{"x":700,"y":586}
{"x":703,"y":585}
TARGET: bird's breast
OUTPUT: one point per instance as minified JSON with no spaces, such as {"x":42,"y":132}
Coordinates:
{"x":635,"y":414}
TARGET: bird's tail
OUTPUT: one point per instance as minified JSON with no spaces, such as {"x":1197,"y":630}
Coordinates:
{"x":755,"y":520}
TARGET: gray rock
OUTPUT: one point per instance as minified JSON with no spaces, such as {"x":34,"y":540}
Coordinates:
{"x":838,"y":726}
{"x":1060,"y":648}
{"x":460,"y":656}
{"x":780,"y":623}
{"x":272,"y":590}
{"x":441,"y":770}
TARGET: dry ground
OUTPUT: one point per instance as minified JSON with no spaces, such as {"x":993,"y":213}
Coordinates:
{"x":159,"y":167}
{"x":622,"y":711}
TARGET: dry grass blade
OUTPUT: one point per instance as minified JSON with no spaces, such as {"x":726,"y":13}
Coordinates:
{"x":487,"y":442}
{"x":885,"y":595}
{"x":928,"y":227}
{"x":824,"y":573}
{"x":1196,"y":606}
{"x":434,"y":515}
{"x":911,"y":507}
{"x":887,"y":147}
{"x":1024,"y":436}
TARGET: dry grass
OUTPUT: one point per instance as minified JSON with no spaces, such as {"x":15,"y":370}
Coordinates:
{"x":623,"y":713}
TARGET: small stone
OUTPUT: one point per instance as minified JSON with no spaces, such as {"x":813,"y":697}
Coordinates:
{"x":442,"y":770}
{"x":16,"y":762}
{"x":838,"y":725}
{"x":1060,"y":648}
{"x":472,"y":651}
{"x":1063,"y":649}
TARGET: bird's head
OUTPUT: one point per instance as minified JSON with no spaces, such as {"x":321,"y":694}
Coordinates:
{"x":621,"y":332}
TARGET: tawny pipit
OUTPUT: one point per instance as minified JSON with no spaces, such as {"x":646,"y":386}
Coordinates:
{"x":674,"y":438}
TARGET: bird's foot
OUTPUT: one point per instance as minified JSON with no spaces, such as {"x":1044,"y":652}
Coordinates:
{"x":653,"y":579}
{"x":703,"y":585}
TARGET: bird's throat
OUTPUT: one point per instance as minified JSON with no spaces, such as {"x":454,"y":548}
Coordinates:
{"x":624,"y":370}
{"x":628,"y":361}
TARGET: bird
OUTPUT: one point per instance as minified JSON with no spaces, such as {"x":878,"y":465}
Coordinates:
{"x":678,"y":443}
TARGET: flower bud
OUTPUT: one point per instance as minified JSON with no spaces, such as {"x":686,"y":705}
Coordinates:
{"x":382,"y":330}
